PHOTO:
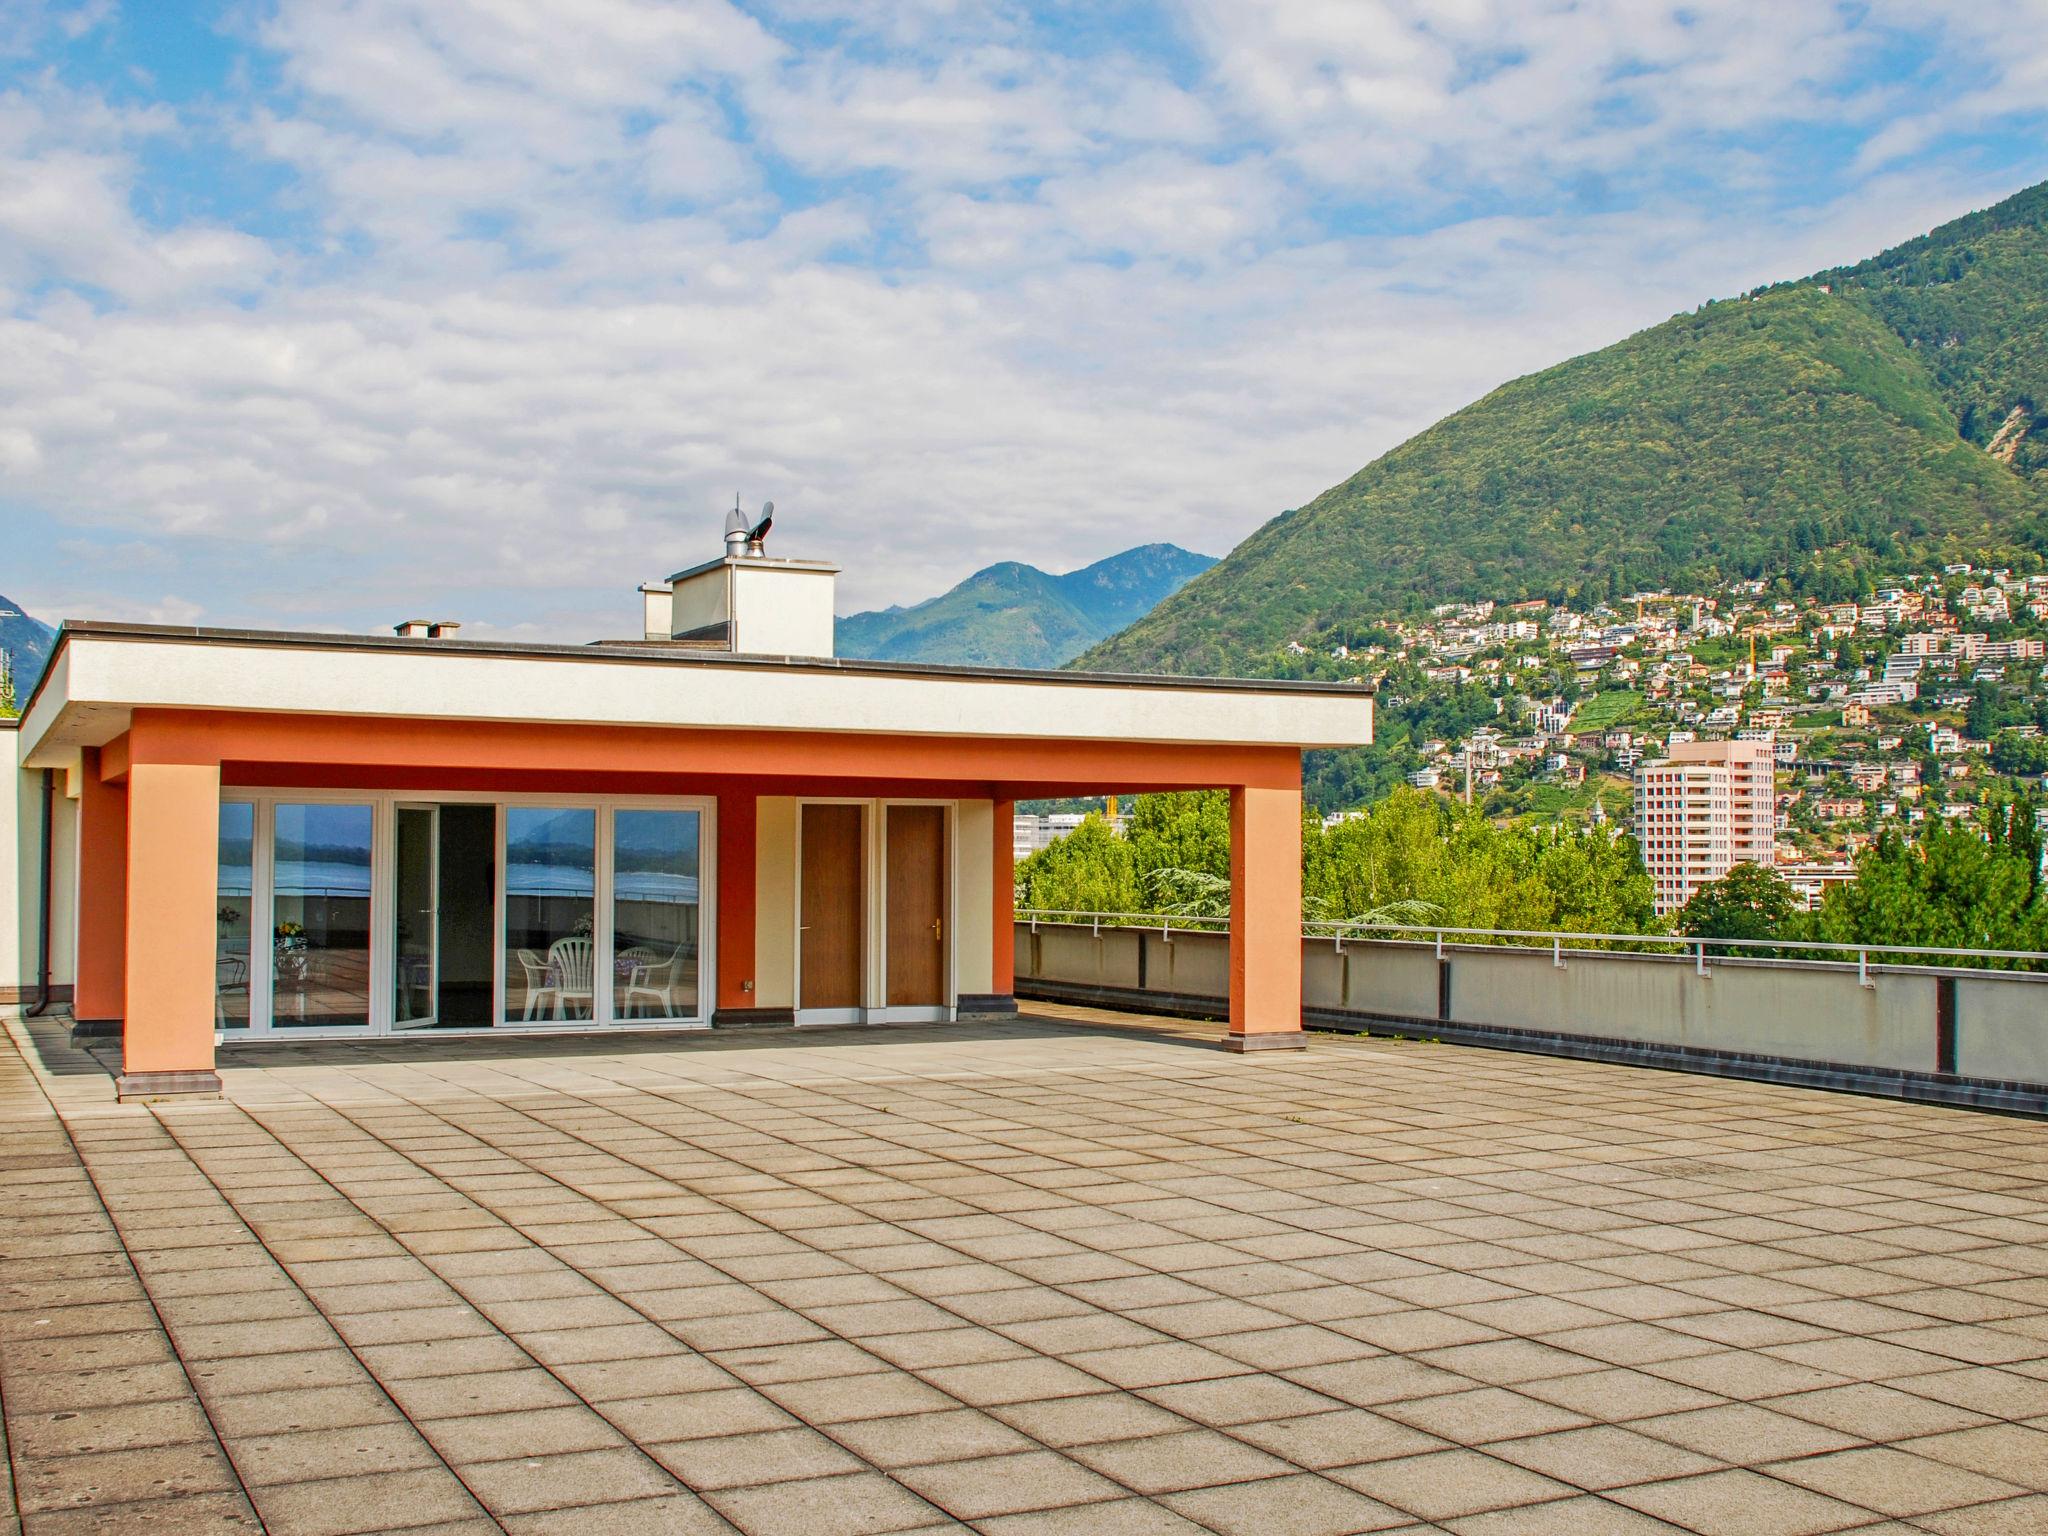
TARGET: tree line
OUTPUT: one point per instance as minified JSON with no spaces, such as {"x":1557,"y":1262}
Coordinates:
{"x":1413,"y":857}
{"x":1423,"y":859}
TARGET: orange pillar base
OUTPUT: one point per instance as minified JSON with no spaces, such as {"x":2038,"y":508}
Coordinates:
{"x":1265,"y":920}
{"x":173,"y":862}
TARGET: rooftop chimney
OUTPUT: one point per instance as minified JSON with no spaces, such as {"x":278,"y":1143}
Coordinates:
{"x":745,"y":601}
{"x":425,"y":629}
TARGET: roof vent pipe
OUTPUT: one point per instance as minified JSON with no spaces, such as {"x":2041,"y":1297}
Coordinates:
{"x":744,"y":537}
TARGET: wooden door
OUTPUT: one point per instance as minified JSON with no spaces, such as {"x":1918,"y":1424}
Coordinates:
{"x":915,"y":866}
{"x":831,"y":902}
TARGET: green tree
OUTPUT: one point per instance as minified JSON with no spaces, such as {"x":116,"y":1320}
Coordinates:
{"x":1749,"y":902}
{"x":1088,"y":870}
{"x":1415,"y":846}
{"x":1958,"y":887}
{"x":1189,"y":831}
{"x":2020,"y":756}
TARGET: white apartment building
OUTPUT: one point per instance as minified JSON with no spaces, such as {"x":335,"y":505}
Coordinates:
{"x":1036,"y":832}
{"x":1702,"y":809}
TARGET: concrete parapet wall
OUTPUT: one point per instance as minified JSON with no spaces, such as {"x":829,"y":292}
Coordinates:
{"x":1777,"y":1014}
{"x":1799,"y":1012}
{"x":2002,"y":1029}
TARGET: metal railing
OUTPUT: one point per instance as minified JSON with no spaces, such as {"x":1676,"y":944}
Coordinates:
{"x":1562,"y":942}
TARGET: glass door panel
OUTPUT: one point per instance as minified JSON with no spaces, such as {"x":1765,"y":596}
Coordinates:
{"x":655,"y":912}
{"x":416,"y":919}
{"x":320,"y":900}
{"x":235,"y":902}
{"x":550,"y":913}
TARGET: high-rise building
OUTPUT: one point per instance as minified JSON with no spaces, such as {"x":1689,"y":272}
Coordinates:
{"x":1701,"y":809}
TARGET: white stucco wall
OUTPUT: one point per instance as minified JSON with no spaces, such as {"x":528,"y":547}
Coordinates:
{"x":775,"y":902}
{"x":21,"y":812}
{"x":974,"y":897}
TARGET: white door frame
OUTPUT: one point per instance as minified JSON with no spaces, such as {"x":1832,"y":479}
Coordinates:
{"x":874,"y":1007}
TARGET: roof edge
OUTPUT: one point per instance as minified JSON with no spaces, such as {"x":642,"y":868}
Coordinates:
{"x":658,"y":653}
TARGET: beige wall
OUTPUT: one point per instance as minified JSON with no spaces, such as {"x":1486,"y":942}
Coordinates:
{"x":2002,"y":1029}
{"x":775,"y":902}
{"x":974,"y":896}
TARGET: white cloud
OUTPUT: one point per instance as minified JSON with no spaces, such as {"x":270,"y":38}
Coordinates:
{"x":550,"y":281}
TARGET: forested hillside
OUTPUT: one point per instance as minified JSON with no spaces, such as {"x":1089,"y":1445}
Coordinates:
{"x":1879,"y":415}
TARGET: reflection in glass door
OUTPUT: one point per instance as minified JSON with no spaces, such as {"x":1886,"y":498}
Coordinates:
{"x":550,"y":913}
{"x":235,"y":902}
{"x":655,"y":912}
{"x":320,"y":916}
{"x":415,"y":985}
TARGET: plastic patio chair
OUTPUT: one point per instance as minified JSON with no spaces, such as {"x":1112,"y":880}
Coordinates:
{"x":652,"y":981}
{"x":538,"y":990}
{"x":569,"y":965}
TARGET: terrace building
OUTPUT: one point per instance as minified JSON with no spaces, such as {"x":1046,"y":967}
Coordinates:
{"x":231,"y":835}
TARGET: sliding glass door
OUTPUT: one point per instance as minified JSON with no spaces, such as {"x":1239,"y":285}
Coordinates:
{"x":655,"y":915}
{"x":343,"y":913}
{"x":550,"y":914}
{"x":320,"y":915}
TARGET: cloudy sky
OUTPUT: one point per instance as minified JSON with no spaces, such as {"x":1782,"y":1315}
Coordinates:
{"x":326,"y":313}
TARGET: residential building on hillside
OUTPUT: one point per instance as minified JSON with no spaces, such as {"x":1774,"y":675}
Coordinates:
{"x":1702,"y":809}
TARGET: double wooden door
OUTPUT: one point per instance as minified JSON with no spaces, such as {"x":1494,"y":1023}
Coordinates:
{"x":833,"y":900}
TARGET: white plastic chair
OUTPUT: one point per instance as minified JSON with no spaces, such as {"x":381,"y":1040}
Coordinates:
{"x":569,"y":963}
{"x":537,"y":988}
{"x":230,"y":975}
{"x":652,"y":981}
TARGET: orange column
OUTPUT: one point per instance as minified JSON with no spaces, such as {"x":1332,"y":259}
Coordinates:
{"x":1002,"y":969}
{"x":1265,"y":919}
{"x":173,"y":859}
{"x":99,"y":972}
{"x":738,"y":1004}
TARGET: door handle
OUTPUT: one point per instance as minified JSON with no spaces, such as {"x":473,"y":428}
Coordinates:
{"x":936,"y":930}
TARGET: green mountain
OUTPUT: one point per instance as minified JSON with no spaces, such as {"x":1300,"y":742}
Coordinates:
{"x":1015,"y":615}
{"x":1818,"y":432}
{"x":26,"y":644}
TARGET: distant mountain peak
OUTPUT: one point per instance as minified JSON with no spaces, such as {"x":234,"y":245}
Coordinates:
{"x":26,"y":643}
{"x":1011,"y":614}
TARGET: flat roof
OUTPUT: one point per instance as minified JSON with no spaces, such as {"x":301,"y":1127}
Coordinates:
{"x":660,"y":651}
{"x":127,"y":666}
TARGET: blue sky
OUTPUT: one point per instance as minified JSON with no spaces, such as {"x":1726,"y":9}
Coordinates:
{"x":328,"y":313}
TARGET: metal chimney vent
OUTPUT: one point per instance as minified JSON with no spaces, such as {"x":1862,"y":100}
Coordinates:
{"x":743,"y":537}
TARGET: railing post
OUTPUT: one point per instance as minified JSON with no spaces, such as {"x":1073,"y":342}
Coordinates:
{"x":1863,"y":969}
{"x":1701,"y":966}
{"x":1557,"y":953}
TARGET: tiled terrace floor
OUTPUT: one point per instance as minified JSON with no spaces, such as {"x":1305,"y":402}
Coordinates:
{"x":1031,"y":1278}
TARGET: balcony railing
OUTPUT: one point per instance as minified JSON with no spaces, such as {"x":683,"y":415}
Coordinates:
{"x":1941,"y":1023}
{"x":1902,"y":957}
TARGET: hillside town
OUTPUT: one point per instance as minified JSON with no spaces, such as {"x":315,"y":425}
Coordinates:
{"x":1915,"y":702}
